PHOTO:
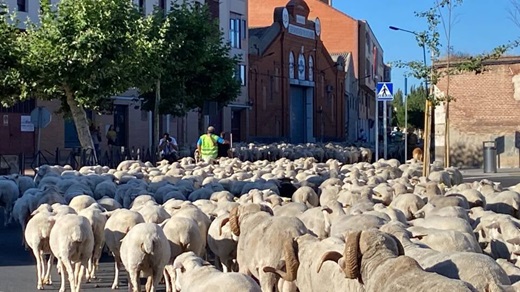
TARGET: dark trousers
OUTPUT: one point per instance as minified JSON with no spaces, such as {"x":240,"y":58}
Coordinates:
{"x":172,"y":157}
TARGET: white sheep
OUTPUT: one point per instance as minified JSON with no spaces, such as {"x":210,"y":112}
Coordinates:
{"x":97,"y":220}
{"x":145,"y":249}
{"x":183,"y":235}
{"x":117,"y":226}
{"x":72,"y":242}
{"x":194,"y":274}
{"x":223,"y":243}
{"x":37,"y":236}
{"x":81,"y":202}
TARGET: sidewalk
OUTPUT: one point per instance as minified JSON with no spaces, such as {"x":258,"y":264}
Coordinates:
{"x":500,"y":172}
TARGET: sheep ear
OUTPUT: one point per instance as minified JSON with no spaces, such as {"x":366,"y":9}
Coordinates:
{"x":515,"y":241}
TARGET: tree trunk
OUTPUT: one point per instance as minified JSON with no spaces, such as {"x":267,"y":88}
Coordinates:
{"x":80,"y":120}
{"x":156,"y":115}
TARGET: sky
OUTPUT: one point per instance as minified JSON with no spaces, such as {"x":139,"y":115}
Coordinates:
{"x":479,"y":26}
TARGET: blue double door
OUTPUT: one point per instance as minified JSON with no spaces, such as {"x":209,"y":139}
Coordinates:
{"x":301,"y":114}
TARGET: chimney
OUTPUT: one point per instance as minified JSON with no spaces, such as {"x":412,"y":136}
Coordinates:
{"x":328,"y":2}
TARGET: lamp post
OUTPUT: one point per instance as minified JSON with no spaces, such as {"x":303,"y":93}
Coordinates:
{"x":428,"y":116}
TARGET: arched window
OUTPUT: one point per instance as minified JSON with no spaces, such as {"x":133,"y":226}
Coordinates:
{"x":311,"y":68}
{"x":291,"y":65}
{"x":301,"y":67}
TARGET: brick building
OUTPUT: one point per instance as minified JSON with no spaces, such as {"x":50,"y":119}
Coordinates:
{"x":133,"y":125}
{"x":487,"y":108}
{"x":351,"y":39}
{"x":296,"y":89}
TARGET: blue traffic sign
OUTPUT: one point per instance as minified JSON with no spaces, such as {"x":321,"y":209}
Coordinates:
{"x":385,"y":91}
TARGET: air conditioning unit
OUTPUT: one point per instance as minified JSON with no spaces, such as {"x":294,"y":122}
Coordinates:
{"x":329,"y":88}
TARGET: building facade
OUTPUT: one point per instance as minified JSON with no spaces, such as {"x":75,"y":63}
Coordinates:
{"x":342,"y":35}
{"x":296,"y":88}
{"x":486,"y":108}
{"x":134,"y":126}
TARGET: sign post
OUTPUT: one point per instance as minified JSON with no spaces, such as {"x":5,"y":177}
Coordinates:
{"x":41,"y":118}
{"x":384,"y":93}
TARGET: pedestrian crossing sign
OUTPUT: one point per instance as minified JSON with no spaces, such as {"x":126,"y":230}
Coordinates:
{"x":384,"y":91}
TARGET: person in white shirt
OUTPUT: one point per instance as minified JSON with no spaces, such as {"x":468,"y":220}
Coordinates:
{"x":168,"y":148}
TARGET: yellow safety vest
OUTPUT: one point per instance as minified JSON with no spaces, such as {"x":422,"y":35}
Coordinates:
{"x":209,"y":145}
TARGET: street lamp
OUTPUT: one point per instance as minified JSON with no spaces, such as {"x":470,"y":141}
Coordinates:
{"x":428,"y":106}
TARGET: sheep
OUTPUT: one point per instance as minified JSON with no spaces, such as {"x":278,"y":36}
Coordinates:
{"x":409,"y":204}
{"x":194,"y":274}
{"x":183,"y":235}
{"x":37,"y":236}
{"x":306,"y":195}
{"x":71,"y":242}
{"x":97,"y":221}
{"x":81,"y":202}
{"x":301,"y":265}
{"x":109,"y":204}
{"x":188,"y":210}
{"x":223,"y":243}
{"x":116,"y":228}
{"x":377,"y":260}
{"x":152,"y":212}
{"x":8,"y":195}
{"x":145,"y":249}
{"x":23,"y":207}
{"x":260,"y":240}
{"x":478,"y":270}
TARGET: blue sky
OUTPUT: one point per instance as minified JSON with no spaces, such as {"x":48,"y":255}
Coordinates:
{"x":480,"y":26}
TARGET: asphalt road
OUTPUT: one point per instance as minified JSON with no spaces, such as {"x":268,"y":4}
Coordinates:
{"x":18,"y":271}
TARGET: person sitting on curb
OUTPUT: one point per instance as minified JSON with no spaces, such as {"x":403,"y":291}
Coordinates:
{"x":207,"y":145}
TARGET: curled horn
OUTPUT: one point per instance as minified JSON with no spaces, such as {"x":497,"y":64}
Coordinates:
{"x":329,"y":256}
{"x":291,"y":262}
{"x":400,"y":248}
{"x":222,"y":223}
{"x":233,"y":221}
{"x":352,"y":255}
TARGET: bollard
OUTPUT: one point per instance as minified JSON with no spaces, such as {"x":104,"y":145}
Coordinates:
{"x":490,"y":156}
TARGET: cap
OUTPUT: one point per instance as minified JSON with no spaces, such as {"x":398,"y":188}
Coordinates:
{"x":211,"y":129}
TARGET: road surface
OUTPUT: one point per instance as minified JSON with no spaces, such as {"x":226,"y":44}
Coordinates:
{"x":17,"y":266}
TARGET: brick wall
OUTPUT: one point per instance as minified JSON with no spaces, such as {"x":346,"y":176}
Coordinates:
{"x":269,"y":88}
{"x":485,"y":109}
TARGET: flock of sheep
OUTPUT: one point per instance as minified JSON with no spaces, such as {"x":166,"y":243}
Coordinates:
{"x":287,"y":225}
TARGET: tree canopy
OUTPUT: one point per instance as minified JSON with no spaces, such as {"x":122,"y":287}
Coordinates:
{"x":10,"y":55}
{"x":193,"y":62}
{"x":416,"y":104}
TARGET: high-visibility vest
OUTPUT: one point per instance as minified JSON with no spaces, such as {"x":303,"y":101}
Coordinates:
{"x":209,"y":145}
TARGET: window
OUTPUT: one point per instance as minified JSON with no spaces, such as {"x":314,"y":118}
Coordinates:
{"x":142,"y":7}
{"x":301,"y":67}
{"x":367,"y":67}
{"x":22,"y":5}
{"x":237,"y":30}
{"x":291,"y":65}
{"x":311,"y":68}
{"x":162,"y":4}
{"x":240,"y":74}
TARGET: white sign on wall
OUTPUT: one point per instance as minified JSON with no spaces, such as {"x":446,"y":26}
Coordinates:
{"x":25,"y":124}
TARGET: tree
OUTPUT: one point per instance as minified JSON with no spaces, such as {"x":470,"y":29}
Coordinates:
{"x":199,"y":68}
{"x":415,"y":108}
{"x":10,"y":54}
{"x":82,"y":53}
{"x":435,"y":17}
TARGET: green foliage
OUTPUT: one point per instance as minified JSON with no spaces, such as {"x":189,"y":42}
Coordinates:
{"x":416,"y":102}
{"x":83,"y":47}
{"x":191,"y":59}
{"x":10,"y":55}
